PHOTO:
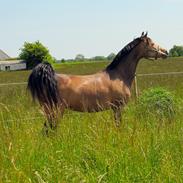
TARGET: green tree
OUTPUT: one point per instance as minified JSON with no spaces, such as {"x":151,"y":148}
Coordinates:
{"x":176,"y":51}
{"x":35,"y":53}
{"x":79,"y":57}
{"x":99,"y":58}
{"x":111,"y":56}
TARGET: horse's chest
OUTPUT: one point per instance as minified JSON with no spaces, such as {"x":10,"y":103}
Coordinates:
{"x":120,"y":93}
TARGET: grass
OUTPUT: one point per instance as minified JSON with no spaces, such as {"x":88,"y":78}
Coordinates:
{"x":87,"y":147}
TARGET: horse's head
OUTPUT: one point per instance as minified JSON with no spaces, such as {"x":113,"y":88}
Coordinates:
{"x":151,"y":49}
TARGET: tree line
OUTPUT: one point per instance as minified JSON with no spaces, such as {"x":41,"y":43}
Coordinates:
{"x":35,"y":53}
{"x":109,"y":57}
{"x":176,"y":51}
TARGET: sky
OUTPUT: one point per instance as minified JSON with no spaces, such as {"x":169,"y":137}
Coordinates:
{"x":88,"y":27}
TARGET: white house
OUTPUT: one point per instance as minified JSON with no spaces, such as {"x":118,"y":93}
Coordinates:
{"x":12,"y":65}
{"x":3,"y":55}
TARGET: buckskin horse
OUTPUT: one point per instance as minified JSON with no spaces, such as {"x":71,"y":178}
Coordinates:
{"x":107,"y":89}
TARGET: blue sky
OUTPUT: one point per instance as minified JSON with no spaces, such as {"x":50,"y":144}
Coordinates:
{"x":89,"y":27}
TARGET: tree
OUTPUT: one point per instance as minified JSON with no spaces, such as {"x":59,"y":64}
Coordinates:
{"x":176,"y":51}
{"x":79,"y":57}
{"x":99,"y":58}
{"x":62,"y":60}
{"x":35,"y":53}
{"x":111,"y":56}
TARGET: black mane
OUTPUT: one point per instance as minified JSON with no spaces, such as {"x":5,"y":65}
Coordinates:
{"x":127,"y":49}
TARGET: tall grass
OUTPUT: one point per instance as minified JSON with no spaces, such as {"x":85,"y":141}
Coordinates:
{"x":87,"y":147}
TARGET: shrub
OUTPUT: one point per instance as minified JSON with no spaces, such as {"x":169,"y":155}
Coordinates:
{"x":157,"y":102}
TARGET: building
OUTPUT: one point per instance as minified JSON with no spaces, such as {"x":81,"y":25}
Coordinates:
{"x":10,"y":65}
{"x":3,"y":55}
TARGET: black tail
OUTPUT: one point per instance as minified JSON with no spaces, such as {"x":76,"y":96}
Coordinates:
{"x":43,"y":85}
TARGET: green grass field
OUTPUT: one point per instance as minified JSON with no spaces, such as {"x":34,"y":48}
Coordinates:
{"x":88,"y":147}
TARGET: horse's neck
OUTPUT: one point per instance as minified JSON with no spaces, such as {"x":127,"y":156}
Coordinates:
{"x":126,"y":69}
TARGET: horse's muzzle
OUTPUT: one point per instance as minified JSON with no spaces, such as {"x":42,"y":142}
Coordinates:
{"x":163,"y":53}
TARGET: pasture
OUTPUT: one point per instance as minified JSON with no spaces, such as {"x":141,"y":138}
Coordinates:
{"x":88,"y":147}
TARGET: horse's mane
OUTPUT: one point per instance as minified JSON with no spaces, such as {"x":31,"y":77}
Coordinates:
{"x":126,"y":50}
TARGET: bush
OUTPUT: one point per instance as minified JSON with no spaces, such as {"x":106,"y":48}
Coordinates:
{"x":157,"y":102}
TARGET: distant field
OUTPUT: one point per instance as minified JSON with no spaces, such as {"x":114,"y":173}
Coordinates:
{"x":145,"y":66}
{"x":87,"y":147}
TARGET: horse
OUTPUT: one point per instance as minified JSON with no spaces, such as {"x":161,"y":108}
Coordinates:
{"x":107,"y":89}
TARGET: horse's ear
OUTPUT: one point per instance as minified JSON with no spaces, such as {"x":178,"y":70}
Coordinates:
{"x":146,"y":34}
{"x":142,"y":34}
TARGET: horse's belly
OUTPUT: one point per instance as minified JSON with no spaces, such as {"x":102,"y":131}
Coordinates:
{"x":91,"y":101}
{"x":87,"y":104}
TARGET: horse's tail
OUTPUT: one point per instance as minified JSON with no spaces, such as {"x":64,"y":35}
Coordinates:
{"x":43,"y":85}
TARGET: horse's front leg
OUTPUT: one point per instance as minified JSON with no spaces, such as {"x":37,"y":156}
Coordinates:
{"x":117,"y":115}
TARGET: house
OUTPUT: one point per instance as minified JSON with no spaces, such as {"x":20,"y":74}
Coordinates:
{"x":3,"y":55}
{"x":10,"y":65}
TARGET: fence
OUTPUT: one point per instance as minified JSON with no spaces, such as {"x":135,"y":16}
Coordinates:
{"x":9,"y":84}
{"x":135,"y":84}
{"x":137,"y":75}
{"x":151,"y":74}
{"x":135,"y":80}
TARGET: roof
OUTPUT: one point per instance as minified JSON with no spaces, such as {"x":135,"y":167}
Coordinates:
{"x":7,"y":62}
{"x":3,"y":55}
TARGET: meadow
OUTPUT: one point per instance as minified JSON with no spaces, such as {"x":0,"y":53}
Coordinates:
{"x":87,"y":147}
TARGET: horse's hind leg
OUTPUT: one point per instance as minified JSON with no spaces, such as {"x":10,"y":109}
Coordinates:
{"x":52,"y":116}
{"x":117,"y":116}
